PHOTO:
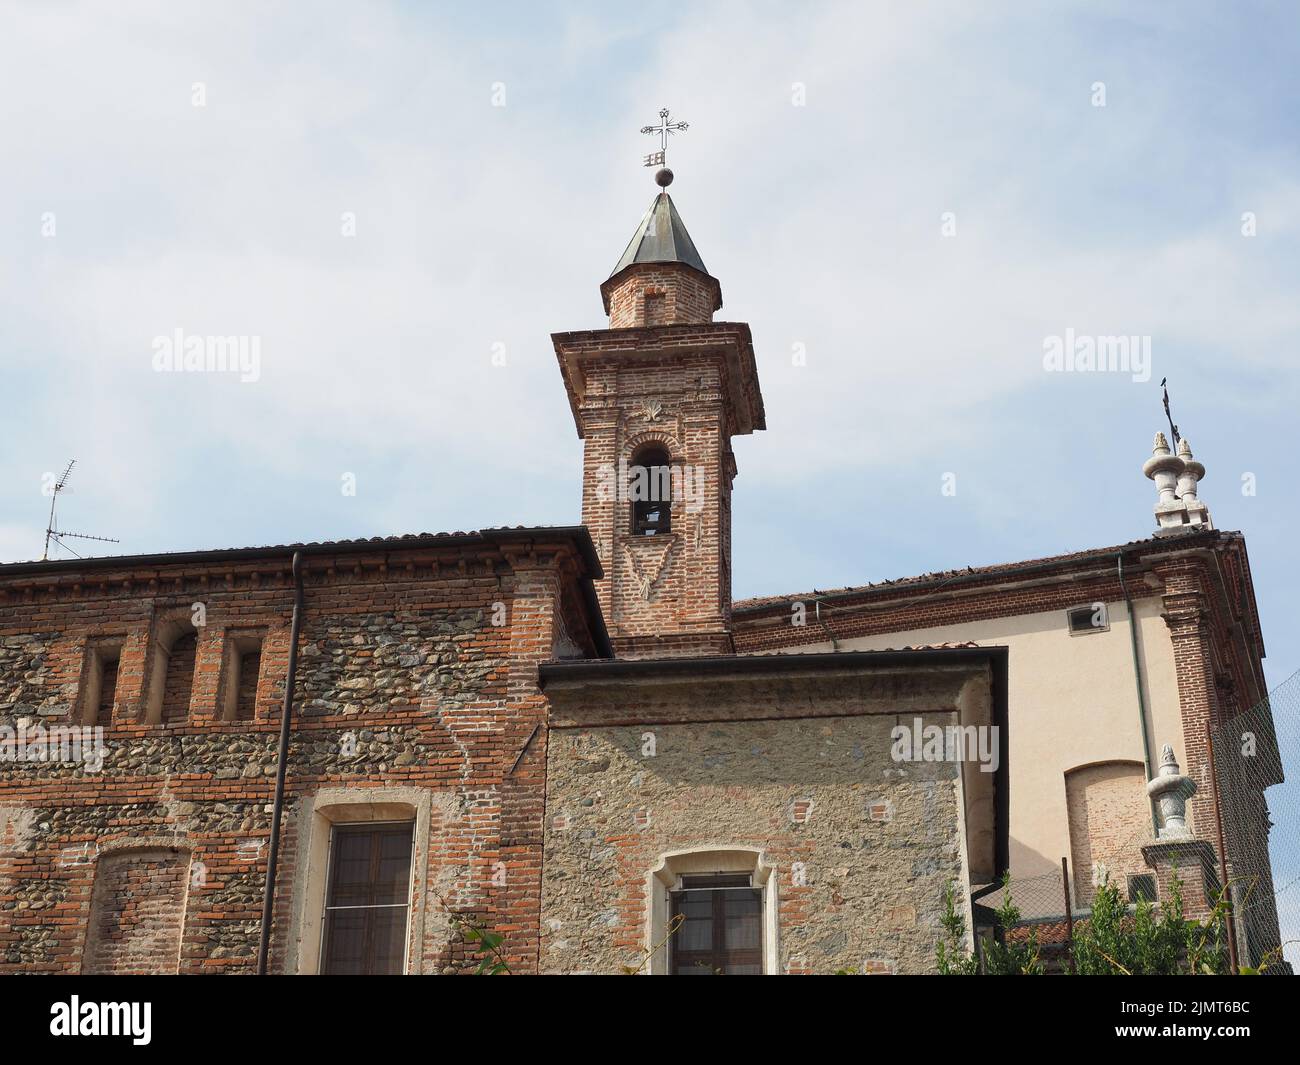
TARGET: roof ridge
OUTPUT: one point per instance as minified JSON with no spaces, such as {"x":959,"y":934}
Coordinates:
{"x":760,"y":602}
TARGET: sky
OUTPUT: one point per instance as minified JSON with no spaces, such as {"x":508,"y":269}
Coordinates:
{"x":401,"y":202}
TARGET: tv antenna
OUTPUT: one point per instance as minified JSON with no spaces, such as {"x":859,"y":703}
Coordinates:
{"x":52,"y":532}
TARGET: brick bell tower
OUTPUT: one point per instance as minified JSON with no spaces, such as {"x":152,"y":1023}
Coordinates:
{"x":657,"y":398}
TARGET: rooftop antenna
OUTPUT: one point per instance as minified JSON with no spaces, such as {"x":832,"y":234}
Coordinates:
{"x":1173,"y":429}
{"x":52,"y":532}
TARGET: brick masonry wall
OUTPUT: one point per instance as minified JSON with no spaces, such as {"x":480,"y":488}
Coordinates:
{"x":659,"y":585}
{"x":137,"y":913}
{"x":674,"y":388}
{"x":404,"y":679}
{"x":654,"y":294}
{"x":1109,"y":821}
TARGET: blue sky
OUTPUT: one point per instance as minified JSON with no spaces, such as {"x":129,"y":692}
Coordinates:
{"x":481,"y":226}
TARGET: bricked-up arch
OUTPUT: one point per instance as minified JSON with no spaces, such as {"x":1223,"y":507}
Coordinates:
{"x":137,"y":911}
{"x":1109,"y":821}
{"x":171,"y":672}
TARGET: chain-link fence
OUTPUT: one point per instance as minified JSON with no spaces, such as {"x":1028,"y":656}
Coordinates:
{"x":1037,"y":906}
{"x":1260,"y":810}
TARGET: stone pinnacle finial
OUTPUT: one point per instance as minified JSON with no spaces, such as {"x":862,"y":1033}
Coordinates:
{"x":1177,"y":507}
{"x":1194,"y":470}
{"x":1170,"y":790}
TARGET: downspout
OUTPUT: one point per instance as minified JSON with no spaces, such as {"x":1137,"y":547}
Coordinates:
{"x":277,"y":809}
{"x":1137,"y":679}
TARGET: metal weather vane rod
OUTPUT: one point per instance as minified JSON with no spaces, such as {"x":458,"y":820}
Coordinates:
{"x":663,"y":131}
{"x":1173,"y":429}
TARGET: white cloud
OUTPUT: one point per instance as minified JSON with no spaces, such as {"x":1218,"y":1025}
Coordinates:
{"x":479,"y":225}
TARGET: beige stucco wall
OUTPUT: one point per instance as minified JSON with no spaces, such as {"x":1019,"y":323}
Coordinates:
{"x":1071,"y":702}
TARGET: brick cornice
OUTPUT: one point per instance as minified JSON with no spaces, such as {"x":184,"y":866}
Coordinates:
{"x":729,"y":342}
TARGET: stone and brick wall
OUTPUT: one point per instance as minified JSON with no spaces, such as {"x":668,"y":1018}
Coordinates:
{"x":877,"y":851}
{"x":857,"y":847}
{"x":1198,"y":583}
{"x":417,"y":670}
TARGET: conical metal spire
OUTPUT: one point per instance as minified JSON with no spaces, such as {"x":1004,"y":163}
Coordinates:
{"x":661,"y":238}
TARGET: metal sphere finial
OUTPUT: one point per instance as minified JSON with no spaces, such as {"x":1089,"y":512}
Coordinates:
{"x":664,"y":178}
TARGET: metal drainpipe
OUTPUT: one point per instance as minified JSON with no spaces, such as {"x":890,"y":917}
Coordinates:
{"x":277,"y":809}
{"x":817,"y":606}
{"x":1137,"y":678}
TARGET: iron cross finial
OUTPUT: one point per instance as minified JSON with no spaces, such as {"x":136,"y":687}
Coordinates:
{"x":665,"y":129}
{"x":1173,"y":429}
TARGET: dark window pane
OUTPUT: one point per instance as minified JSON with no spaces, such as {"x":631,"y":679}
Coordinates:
{"x":345,"y":937}
{"x":720,"y":930}
{"x":651,"y":484}
{"x":388,"y":940}
{"x":368,"y":899}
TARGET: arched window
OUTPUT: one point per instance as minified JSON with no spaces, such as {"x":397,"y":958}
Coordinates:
{"x":650,"y":484}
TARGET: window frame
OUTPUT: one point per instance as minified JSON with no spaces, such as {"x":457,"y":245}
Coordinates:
{"x":1131,"y":881}
{"x":342,"y":804}
{"x":1090,"y":609}
{"x":713,"y":860}
{"x":100,"y":653}
{"x":165,"y":634}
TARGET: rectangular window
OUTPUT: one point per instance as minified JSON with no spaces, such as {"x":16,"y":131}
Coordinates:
{"x":101,"y":683}
{"x":368,"y":899}
{"x":1142,"y":887}
{"x":107,"y":691}
{"x":719,"y":927}
{"x":243,"y":666}
{"x":1086,"y":619}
